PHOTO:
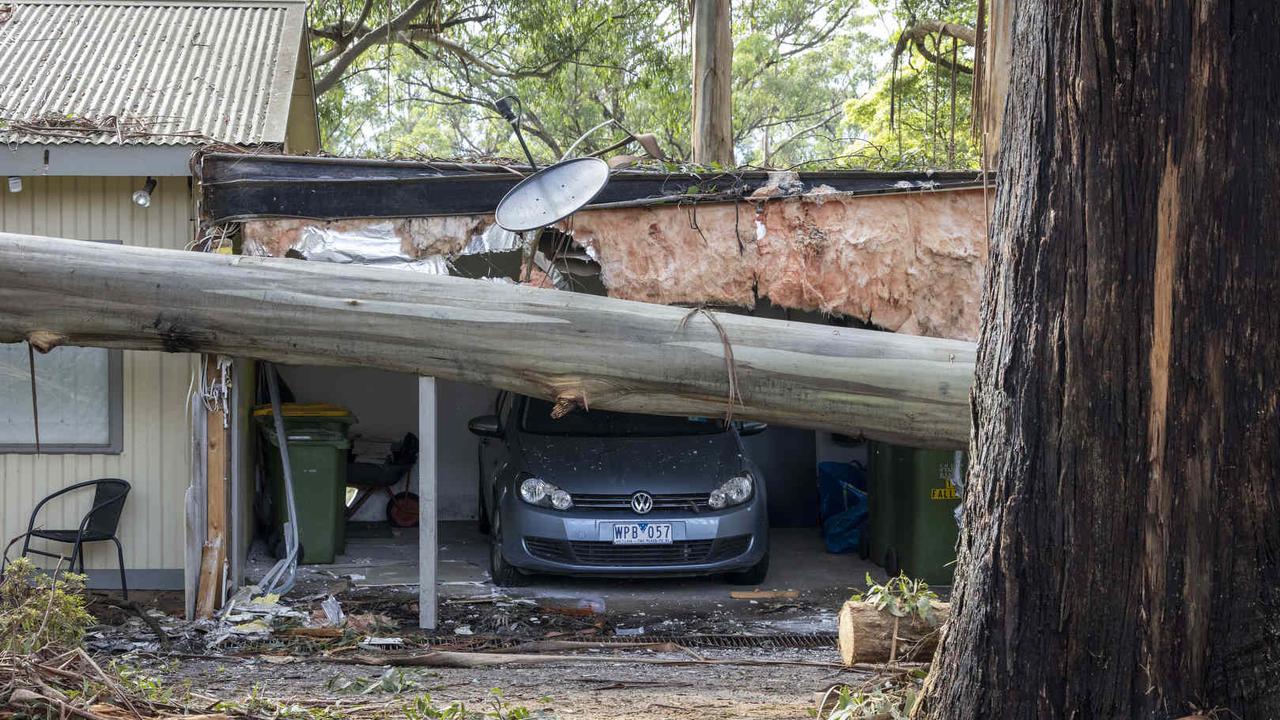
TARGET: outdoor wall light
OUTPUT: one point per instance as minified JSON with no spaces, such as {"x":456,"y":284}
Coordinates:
{"x":142,"y":198}
{"x":15,"y":183}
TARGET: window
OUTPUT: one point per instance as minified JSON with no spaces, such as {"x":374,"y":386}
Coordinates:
{"x":80,"y":395}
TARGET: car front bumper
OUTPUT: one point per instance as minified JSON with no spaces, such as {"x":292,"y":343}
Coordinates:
{"x":581,"y":543}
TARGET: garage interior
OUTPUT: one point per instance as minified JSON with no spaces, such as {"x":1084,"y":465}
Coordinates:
{"x":382,"y":554}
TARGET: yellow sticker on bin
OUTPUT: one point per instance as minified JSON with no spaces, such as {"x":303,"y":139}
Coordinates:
{"x":305,"y":410}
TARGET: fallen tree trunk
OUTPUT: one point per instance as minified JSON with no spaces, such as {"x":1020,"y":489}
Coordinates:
{"x":570,"y":348}
{"x":866,"y":634}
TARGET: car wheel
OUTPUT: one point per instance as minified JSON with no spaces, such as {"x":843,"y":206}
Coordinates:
{"x":504,"y":574}
{"x":753,"y":575}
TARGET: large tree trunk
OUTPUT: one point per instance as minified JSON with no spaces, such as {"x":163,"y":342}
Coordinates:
{"x":573,"y":348}
{"x":1120,"y":556}
{"x":712,"y":82}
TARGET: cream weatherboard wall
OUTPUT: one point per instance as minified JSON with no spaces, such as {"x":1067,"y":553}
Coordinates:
{"x":156,"y":456}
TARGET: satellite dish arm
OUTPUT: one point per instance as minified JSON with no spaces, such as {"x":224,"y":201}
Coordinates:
{"x":503,"y":106}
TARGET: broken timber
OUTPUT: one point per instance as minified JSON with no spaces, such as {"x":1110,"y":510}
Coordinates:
{"x":567,"y":347}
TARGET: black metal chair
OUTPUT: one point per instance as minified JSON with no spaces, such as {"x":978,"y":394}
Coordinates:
{"x":98,"y":525}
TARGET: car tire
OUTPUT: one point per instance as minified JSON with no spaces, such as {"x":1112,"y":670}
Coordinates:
{"x":504,"y":574}
{"x":753,"y":575}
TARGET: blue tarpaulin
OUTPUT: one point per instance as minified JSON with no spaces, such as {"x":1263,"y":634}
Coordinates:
{"x":842,"y":504}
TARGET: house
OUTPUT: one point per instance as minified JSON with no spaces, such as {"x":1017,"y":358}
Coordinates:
{"x":902,"y":250}
{"x":103,"y":104}
{"x":100,"y":142}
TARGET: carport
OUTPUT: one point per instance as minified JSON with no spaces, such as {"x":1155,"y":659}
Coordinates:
{"x":752,"y":245}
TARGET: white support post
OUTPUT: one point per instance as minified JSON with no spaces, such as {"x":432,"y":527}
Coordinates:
{"x":427,"y":534}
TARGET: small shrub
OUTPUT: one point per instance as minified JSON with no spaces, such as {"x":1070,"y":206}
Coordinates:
{"x":37,"y":610}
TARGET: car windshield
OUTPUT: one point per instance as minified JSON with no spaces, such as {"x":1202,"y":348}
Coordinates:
{"x":537,"y":419}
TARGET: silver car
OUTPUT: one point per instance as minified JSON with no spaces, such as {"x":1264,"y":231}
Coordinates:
{"x":606,"y":493}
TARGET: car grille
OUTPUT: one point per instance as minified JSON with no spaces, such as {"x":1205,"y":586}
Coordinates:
{"x":694,"y":502}
{"x":685,"y":552}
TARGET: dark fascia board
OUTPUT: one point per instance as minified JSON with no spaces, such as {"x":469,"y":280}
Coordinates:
{"x":239,"y":187}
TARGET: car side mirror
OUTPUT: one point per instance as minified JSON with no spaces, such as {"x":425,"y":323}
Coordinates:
{"x":751,"y":427}
{"x":485,"y":426}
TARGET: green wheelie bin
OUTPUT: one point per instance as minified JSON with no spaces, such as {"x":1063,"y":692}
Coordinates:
{"x":318,"y":444}
{"x":880,"y":501}
{"x":913,"y":523}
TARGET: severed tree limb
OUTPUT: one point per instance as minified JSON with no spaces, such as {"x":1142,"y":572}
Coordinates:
{"x":866,"y":634}
{"x":622,"y":355}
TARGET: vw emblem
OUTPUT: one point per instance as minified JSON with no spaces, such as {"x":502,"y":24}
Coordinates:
{"x":642,"y":503}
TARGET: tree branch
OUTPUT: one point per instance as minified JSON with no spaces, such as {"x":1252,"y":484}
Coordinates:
{"x":797,"y":135}
{"x":916,"y":34}
{"x":352,"y":52}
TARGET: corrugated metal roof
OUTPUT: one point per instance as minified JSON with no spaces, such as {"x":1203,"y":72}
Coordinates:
{"x":147,"y":72}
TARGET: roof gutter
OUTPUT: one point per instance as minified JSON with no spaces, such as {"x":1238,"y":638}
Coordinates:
{"x":73,"y":159}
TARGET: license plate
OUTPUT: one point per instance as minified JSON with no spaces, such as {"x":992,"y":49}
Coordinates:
{"x":642,"y":534}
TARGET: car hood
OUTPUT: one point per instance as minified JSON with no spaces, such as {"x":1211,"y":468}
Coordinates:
{"x":620,"y":465}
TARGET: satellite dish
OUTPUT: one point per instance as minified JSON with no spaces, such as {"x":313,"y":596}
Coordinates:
{"x":553,"y":193}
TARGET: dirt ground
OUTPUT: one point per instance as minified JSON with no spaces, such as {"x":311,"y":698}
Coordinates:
{"x":669,"y":648}
{"x":762,"y":679}
{"x":599,"y":689}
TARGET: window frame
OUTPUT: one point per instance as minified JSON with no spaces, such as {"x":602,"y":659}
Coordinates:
{"x":115,"y":415}
{"x":115,"y":421}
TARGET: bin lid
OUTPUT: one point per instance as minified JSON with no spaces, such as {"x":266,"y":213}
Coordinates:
{"x":325,"y":411}
{"x":307,"y":436}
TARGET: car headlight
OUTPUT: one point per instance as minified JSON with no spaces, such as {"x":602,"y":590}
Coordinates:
{"x":536,"y":491}
{"x":734,"y":491}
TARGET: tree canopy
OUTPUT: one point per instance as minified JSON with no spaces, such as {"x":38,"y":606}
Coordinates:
{"x":860,"y":83}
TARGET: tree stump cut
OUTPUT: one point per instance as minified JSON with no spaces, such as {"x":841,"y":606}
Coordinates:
{"x":866,"y":635}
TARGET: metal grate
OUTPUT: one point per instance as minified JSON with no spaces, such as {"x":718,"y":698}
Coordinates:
{"x":686,"y":552}
{"x":803,"y":641}
{"x":798,"y":641}
{"x":690,"y":502}
{"x":550,"y":550}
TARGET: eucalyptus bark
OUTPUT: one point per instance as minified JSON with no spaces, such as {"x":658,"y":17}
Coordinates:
{"x":570,"y":348}
{"x":713,"y":82}
{"x":1120,"y":556}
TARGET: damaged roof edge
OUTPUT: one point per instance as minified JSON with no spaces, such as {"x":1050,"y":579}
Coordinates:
{"x":239,"y":187}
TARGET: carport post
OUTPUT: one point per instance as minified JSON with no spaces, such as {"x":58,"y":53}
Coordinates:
{"x":427,"y":534}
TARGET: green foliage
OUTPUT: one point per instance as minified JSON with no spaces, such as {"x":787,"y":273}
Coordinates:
{"x":919,"y":114}
{"x":814,"y":82}
{"x":39,"y":611}
{"x":394,"y":680}
{"x":421,"y":708}
{"x":901,"y":597}
{"x":571,"y":63}
{"x":894,"y":703}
